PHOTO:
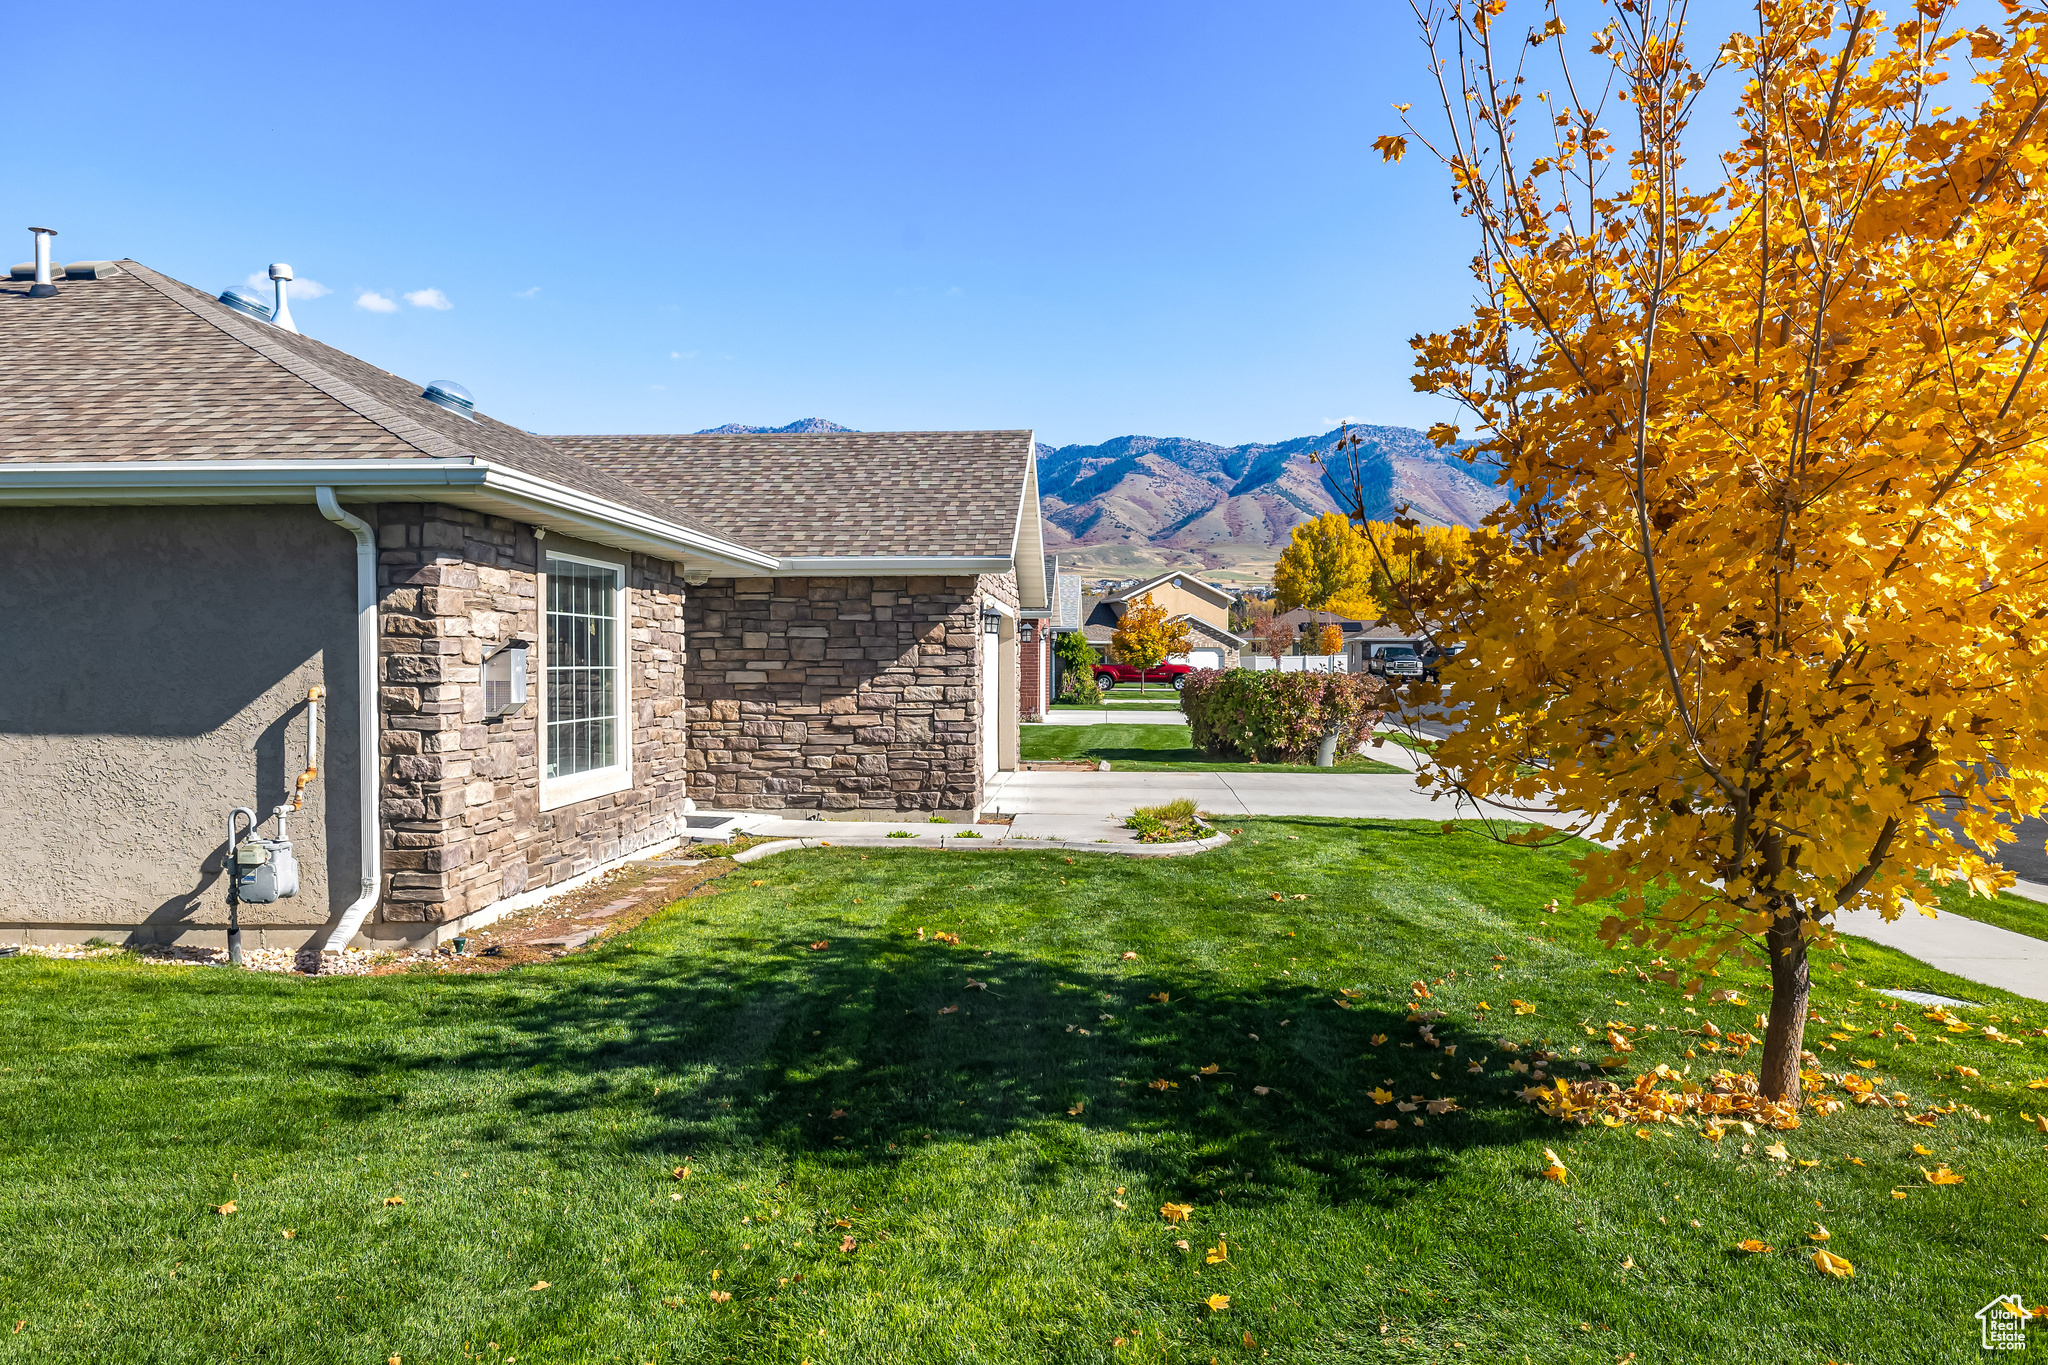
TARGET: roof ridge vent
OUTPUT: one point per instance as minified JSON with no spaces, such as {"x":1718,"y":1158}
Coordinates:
{"x":446,"y":393}
{"x":242,"y":301}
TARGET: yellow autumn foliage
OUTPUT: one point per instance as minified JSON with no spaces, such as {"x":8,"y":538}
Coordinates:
{"x":1769,"y":601}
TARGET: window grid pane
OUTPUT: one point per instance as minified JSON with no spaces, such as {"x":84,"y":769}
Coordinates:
{"x":582,"y":667}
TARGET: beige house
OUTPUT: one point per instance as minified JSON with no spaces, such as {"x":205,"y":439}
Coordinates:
{"x":1204,"y":606}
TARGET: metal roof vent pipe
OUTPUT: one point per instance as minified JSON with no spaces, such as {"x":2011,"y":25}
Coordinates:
{"x":42,"y":288}
{"x":446,"y":393}
{"x":281,"y":311}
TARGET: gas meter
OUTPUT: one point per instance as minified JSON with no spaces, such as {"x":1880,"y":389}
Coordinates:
{"x":266,"y":870}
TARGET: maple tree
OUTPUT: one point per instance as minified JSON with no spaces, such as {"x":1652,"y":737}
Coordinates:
{"x":1764,"y":611}
{"x":1147,"y":635}
{"x":1330,"y":640}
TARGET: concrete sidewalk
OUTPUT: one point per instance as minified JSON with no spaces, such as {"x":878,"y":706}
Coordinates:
{"x":1088,"y":800}
{"x":1965,"y":947}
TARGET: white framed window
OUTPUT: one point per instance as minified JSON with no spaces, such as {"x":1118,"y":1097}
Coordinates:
{"x":586,"y":695}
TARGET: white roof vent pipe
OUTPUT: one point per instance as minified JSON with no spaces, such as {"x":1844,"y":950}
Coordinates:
{"x":281,"y":311}
{"x":42,"y":288}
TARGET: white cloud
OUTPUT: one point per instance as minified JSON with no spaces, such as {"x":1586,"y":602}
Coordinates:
{"x":428,"y":298}
{"x":682,"y":355}
{"x":375,"y":302}
{"x":525,"y":293}
{"x":302,"y":288}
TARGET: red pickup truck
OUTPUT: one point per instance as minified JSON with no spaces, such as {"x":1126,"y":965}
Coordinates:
{"x":1107,"y":676}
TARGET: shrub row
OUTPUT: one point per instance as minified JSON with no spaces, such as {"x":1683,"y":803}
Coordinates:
{"x":1274,"y":717}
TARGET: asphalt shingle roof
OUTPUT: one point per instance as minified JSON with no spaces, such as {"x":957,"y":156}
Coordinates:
{"x":835,"y":493}
{"x":139,"y":366}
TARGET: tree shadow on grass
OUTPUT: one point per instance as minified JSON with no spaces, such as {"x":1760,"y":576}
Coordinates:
{"x":861,"y":1052}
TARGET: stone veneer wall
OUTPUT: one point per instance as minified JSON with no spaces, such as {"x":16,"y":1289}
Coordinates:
{"x":461,"y":812}
{"x":838,"y":694}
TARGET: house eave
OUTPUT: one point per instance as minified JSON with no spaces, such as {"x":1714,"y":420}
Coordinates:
{"x":476,"y":485}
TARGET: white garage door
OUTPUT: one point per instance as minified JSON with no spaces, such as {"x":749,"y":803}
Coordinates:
{"x":991,"y":703}
{"x":1202,"y":658}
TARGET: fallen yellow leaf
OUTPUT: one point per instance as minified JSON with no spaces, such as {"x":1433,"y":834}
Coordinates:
{"x":1555,"y":1169}
{"x":537,"y":1286}
{"x":1377,"y":1039}
{"x":1176,"y":1213}
{"x":1827,"y":1263}
{"x":1919,"y":1150}
{"x":1217,"y":1302}
{"x":1941,"y":1175}
{"x":1776,"y":1152}
{"x":1380,"y":1095}
{"x":1819,"y":1233}
{"x":1218,"y":1253}
{"x":1522,"y":1007}
{"x":287,"y":1233}
{"x":394,"y":1200}
{"x":1755,"y":1246}
{"x":720,"y":1296}
{"x":224,"y":1209}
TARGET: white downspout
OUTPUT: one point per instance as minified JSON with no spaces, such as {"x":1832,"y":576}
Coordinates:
{"x":368,"y":758}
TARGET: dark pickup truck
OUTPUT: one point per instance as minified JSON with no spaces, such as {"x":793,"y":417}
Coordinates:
{"x":1107,"y":676}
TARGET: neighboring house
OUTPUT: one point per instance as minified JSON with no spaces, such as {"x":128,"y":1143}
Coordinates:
{"x":213,"y":529}
{"x":1302,"y":621}
{"x":1205,"y":607}
{"x":1037,"y":629}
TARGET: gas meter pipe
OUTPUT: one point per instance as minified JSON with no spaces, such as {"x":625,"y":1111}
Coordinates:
{"x":367,"y":763}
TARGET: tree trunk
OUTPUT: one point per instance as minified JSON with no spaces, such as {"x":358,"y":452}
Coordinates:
{"x":1785,"y":1036}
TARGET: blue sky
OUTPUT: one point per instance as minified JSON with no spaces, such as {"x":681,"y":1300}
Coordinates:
{"x":1089,"y":219}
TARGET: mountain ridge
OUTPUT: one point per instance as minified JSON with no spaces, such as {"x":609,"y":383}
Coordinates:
{"x":1135,"y":504}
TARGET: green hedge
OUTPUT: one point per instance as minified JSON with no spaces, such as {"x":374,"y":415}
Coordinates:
{"x":1274,"y":717}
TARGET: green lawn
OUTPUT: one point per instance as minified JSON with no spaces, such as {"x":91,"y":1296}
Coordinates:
{"x":888,"y":1164}
{"x":1158,"y":749}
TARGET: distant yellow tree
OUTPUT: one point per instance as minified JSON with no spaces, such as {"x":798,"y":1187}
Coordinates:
{"x":1416,"y":569}
{"x":1331,"y":641}
{"x":1768,"y":606}
{"x":1324,"y":559}
{"x":1147,"y":635}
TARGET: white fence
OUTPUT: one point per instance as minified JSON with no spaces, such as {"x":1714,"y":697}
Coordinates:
{"x":1298,"y":663}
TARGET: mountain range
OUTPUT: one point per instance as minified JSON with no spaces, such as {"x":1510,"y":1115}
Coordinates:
{"x":1139,"y":504}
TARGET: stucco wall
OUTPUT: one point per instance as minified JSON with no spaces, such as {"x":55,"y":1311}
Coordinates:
{"x":154,"y":666}
{"x":838,"y":695}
